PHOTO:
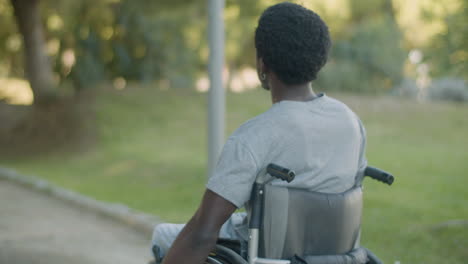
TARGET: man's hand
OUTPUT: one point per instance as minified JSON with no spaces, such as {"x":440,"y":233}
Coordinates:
{"x":199,"y":236}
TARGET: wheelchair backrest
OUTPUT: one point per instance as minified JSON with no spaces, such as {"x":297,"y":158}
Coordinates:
{"x":297,"y":221}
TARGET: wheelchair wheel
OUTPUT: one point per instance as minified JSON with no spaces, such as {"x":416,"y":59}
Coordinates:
{"x":224,"y":255}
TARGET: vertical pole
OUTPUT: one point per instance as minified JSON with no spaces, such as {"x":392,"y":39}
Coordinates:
{"x":216,"y":97}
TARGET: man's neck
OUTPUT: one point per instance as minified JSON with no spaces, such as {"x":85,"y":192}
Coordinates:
{"x":302,"y":92}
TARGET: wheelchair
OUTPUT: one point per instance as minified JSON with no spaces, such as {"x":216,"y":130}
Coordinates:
{"x":297,"y":226}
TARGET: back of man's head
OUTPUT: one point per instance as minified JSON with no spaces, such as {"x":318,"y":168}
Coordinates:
{"x":293,"y":42}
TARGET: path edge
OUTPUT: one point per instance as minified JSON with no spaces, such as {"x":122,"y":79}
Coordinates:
{"x":137,"y":220}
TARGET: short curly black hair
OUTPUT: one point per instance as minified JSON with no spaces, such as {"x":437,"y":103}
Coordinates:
{"x":293,"y":42}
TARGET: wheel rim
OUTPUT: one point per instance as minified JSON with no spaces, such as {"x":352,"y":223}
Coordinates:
{"x":212,"y":260}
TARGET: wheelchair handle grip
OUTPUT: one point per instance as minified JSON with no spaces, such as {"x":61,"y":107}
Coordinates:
{"x":379,"y":175}
{"x":281,"y":173}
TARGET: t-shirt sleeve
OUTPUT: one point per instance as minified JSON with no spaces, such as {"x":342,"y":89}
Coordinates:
{"x":362,"y":155}
{"x":235,"y":173}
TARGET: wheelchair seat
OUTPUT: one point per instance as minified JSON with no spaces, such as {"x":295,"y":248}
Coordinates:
{"x":304,"y":223}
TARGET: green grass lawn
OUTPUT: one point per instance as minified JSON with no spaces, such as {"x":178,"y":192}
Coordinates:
{"x":151,"y":154}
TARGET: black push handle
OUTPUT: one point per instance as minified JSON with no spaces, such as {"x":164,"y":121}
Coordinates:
{"x":279,"y":172}
{"x":380,"y":175}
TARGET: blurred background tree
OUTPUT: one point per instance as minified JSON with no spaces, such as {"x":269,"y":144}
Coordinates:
{"x":93,"y":41}
{"x":448,"y":51}
{"x":36,"y":63}
{"x":367,"y":54}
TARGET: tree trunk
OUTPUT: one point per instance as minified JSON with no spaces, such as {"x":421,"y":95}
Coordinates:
{"x":37,"y":65}
{"x":388,"y":8}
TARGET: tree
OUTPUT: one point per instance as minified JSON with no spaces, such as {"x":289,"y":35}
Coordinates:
{"x":367,"y":47}
{"x":448,"y":52}
{"x":37,"y":65}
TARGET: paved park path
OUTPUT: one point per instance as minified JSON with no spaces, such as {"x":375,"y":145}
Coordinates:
{"x":38,"y":229}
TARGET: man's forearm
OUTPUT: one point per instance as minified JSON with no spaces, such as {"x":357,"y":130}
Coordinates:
{"x":199,"y":235}
{"x":191,"y":248}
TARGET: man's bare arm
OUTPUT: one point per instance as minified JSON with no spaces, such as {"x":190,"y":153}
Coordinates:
{"x":199,"y":235}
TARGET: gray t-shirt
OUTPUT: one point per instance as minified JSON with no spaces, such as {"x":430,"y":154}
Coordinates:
{"x":322,"y":140}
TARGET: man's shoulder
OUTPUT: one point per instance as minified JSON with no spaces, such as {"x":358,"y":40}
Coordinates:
{"x":348,"y":113}
{"x":331,"y":101}
{"x":256,"y":125}
{"x":340,"y":106}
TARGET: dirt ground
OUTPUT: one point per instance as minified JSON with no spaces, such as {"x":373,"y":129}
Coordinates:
{"x":36,"y":228}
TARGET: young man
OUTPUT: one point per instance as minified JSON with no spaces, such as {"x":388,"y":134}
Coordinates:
{"x":318,"y":137}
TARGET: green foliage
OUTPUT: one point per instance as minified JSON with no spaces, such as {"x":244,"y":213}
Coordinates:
{"x":361,"y":10}
{"x":136,"y":40}
{"x":448,"y":54}
{"x":124,"y":39}
{"x":369,"y":60}
{"x":166,"y":40}
{"x":11,"y":42}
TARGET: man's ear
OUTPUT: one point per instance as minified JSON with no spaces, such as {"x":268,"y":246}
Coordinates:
{"x":262,"y":73}
{"x":261,"y":67}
